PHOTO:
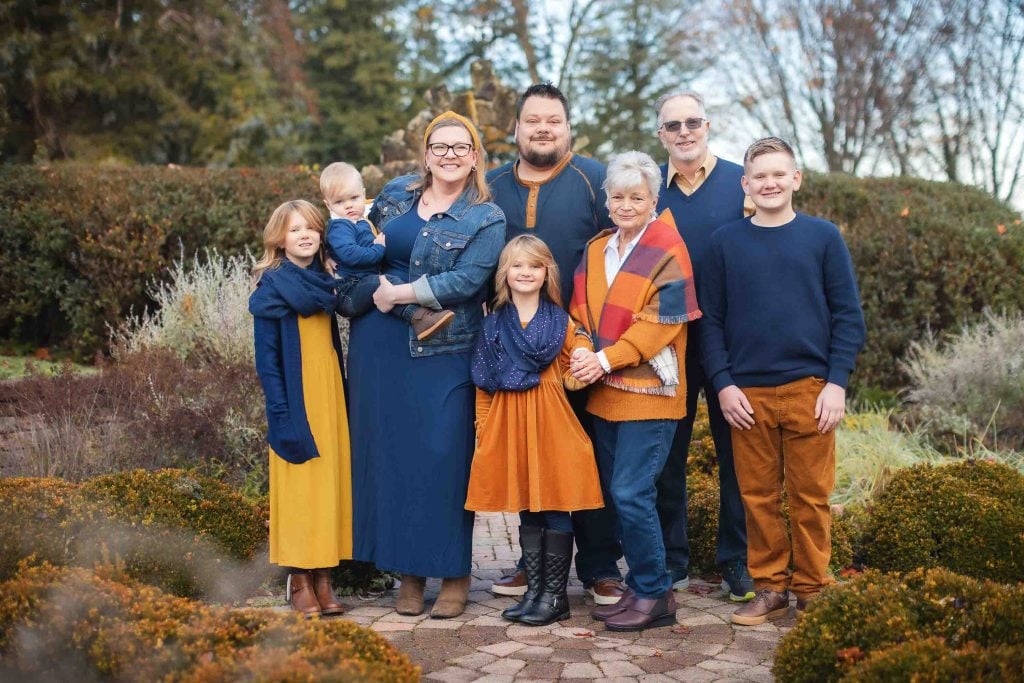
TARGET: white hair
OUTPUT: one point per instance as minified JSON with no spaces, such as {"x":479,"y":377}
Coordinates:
{"x":632,"y":169}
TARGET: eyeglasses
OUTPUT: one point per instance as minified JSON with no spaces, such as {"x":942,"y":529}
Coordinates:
{"x":439,"y":149}
{"x":691,"y":124}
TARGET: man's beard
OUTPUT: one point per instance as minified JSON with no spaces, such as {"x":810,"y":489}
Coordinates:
{"x":542,"y":159}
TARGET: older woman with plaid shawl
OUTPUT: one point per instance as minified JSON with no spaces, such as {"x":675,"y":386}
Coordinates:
{"x":633,"y":292}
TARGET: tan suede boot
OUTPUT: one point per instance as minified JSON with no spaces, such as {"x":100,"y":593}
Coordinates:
{"x":410,"y":595}
{"x":451,"y":601}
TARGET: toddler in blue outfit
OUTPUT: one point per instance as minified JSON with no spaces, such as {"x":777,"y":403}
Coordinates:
{"x":357,"y":249}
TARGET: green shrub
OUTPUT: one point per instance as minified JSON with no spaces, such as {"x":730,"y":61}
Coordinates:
{"x":76,"y":624}
{"x":81,"y":244}
{"x":861,"y":620}
{"x":189,"y":535}
{"x":969,"y":390}
{"x":928,"y":256}
{"x":964,"y":516}
{"x":931,"y":661}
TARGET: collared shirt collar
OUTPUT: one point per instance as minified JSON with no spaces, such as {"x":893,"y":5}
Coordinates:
{"x":703,"y":171}
{"x":612,"y":262}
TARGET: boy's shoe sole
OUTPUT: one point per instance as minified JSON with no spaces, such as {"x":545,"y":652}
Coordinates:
{"x":444,"y":320}
{"x":737,"y":598}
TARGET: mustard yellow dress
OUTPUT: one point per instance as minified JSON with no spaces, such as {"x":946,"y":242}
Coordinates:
{"x":532,"y":453}
{"x":311,"y":503}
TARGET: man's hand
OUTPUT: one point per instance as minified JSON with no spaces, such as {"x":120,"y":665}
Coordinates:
{"x":830,"y":407}
{"x":585,"y":366}
{"x":379,"y":239}
{"x":736,"y":408}
{"x":384,"y":297}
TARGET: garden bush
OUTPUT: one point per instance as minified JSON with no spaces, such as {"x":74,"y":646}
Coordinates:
{"x":81,"y":244}
{"x":928,"y":256}
{"x":853,"y":624}
{"x":189,"y":535}
{"x":965,"y":516}
{"x":75,"y":624}
{"x":931,"y":661}
{"x":968,"y":391}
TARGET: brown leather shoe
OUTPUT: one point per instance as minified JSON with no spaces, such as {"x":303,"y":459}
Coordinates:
{"x":603,"y":612}
{"x":644,"y":613}
{"x":451,"y":601}
{"x":607,"y":591}
{"x":301,"y":596}
{"x":767,"y":604}
{"x":329,"y":604}
{"x":513,"y":584}
{"x":427,"y":322}
{"x":410,"y":595}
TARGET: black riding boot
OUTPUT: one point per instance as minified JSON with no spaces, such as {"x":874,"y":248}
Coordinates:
{"x":553,"y":603}
{"x":531,"y":541}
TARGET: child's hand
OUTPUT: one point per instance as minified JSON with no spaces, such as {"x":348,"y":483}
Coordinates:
{"x":330,"y":266}
{"x":736,"y":408}
{"x":830,"y":407}
{"x":586,"y":366}
{"x":379,"y":239}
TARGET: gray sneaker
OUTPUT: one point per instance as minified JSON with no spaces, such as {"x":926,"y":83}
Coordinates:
{"x":736,"y":581}
{"x":767,"y":604}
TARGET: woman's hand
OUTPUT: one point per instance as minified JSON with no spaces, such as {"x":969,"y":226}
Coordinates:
{"x":585,"y":366}
{"x":384,"y":297}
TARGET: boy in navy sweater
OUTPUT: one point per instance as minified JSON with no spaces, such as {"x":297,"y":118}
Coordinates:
{"x":357,"y":249}
{"x":781,"y":331}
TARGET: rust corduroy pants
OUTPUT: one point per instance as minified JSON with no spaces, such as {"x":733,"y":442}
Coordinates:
{"x":785,"y":449}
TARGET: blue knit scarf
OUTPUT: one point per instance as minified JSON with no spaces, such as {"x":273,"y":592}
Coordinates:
{"x":289,"y":289}
{"x":511,"y":358}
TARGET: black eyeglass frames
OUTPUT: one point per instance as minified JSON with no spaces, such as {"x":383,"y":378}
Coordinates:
{"x":440,"y":149}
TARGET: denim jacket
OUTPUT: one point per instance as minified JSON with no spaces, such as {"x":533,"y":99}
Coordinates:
{"x":452,"y":261}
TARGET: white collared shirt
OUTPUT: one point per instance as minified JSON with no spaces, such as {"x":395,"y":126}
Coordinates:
{"x":612,"y":265}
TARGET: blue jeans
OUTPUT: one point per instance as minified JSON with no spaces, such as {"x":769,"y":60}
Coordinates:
{"x":672,"y":500}
{"x":555,"y":520}
{"x":630,"y":456}
{"x":355,"y":296}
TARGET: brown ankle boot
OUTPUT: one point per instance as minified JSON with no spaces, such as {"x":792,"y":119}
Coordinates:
{"x":427,"y":322}
{"x":410,"y":595}
{"x":325,"y":593}
{"x":301,"y":596}
{"x":451,"y":601}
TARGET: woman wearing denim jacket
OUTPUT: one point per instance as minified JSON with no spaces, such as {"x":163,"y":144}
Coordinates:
{"x":411,"y":402}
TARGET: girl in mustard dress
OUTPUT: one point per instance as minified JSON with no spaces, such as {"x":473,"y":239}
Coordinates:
{"x":532,"y":455}
{"x":298,"y":360}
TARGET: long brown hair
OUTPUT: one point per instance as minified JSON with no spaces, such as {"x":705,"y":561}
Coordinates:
{"x":477,"y":177}
{"x":277,"y":227}
{"x":534,"y":250}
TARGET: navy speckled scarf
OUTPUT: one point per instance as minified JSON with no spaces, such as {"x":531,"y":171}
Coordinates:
{"x":290,"y":289}
{"x":511,"y":358}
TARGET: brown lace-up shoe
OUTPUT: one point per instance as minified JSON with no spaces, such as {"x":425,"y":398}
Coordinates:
{"x":301,"y":596}
{"x":427,"y":322}
{"x":329,"y":604}
{"x":513,"y":584}
{"x":767,"y":604}
{"x":607,"y":591}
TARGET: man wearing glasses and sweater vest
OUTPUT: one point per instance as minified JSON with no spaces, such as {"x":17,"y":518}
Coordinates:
{"x":702,"y":192}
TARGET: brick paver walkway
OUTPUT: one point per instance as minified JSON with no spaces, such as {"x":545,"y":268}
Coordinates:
{"x":480,"y":646}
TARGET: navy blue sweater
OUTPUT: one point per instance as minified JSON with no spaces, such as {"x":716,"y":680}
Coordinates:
{"x":571,"y":208}
{"x":719,"y":200}
{"x":351,"y":246}
{"x":780,"y":304}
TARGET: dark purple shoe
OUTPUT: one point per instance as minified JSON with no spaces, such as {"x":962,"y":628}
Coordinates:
{"x":602,"y":612}
{"x":644,"y":613}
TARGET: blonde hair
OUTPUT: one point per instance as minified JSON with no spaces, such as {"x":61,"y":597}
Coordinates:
{"x":535,"y":251}
{"x":477,"y":177}
{"x":277,"y":228}
{"x":768,"y":146}
{"x":332,"y":178}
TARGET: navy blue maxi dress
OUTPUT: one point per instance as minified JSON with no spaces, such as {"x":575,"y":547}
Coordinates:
{"x":411,"y":421}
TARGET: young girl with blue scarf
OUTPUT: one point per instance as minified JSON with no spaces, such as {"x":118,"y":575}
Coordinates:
{"x":532,"y":455}
{"x":298,"y":360}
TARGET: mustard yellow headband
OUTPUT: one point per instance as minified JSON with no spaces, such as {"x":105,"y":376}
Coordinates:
{"x":452,"y":116}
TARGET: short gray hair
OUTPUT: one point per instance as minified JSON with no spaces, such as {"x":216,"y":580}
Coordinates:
{"x":695,"y":96}
{"x":631,"y":169}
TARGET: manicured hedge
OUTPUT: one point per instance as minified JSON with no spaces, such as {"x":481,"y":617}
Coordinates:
{"x":77,"y":624}
{"x":881,"y":627}
{"x":80,"y":244}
